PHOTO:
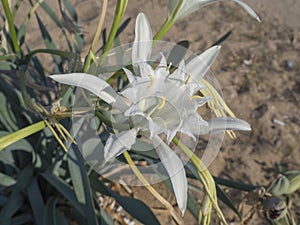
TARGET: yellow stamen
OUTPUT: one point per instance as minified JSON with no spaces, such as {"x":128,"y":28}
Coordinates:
{"x":195,"y":96}
{"x":169,"y":66}
{"x":151,"y":81}
{"x":163,"y":102}
{"x":188,"y":79}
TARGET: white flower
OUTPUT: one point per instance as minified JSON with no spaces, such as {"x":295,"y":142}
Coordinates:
{"x":189,"y":6}
{"x":160,"y":103}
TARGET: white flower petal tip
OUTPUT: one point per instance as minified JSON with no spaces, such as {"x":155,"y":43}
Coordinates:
{"x":89,"y":82}
{"x":175,"y":169}
{"x":248,"y":9}
{"x":130,"y":76}
{"x":117,"y":144}
{"x":142,"y":45}
{"x":228,"y":123}
{"x":199,"y":65}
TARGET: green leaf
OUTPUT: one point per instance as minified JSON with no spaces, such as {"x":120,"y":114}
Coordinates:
{"x":52,"y":14}
{"x":71,"y":10}
{"x":105,"y":218}
{"x":47,"y":39}
{"x":193,"y":206}
{"x":222,"y":39}
{"x":7,"y":117}
{"x":64,"y":189}
{"x":16,"y":7}
{"x":6,"y":65}
{"x":6,"y":57}
{"x":13,"y":204}
{"x":51,"y":215}
{"x":234,"y":184}
{"x":143,"y":214}
{"x":36,"y":200}
{"x":3,"y":200}
{"x":24,"y":178}
{"x":6,"y":181}
{"x":24,"y":218}
{"x":224,"y":198}
{"x":177,"y":53}
{"x":81,"y":183}
{"x":20,"y":134}
{"x":51,"y":52}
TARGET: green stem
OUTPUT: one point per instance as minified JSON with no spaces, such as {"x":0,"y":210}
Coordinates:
{"x":20,"y":134}
{"x":87,"y":62}
{"x":168,"y":23}
{"x":11,"y":26}
{"x":164,"y":29}
{"x":119,"y":13}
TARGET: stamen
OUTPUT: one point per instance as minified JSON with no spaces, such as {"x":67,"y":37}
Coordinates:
{"x":188,"y":79}
{"x":151,"y":81}
{"x":163,"y":102}
{"x":169,"y":66}
{"x":195,"y":96}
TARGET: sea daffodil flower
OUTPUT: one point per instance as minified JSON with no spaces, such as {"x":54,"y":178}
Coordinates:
{"x":157,"y":102}
{"x":187,"y":7}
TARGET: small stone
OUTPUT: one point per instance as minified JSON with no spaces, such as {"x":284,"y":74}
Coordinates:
{"x":288,"y":64}
{"x":279,"y":122}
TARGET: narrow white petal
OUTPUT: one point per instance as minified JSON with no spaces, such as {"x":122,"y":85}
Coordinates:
{"x":117,"y":144}
{"x":199,"y":65}
{"x":161,"y":70}
{"x":131,"y":77}
{"x":201,"y":101}
{"x":220,"y":124}
{"x":228,"y":123}
{"x":175,"y":169}
{"x":89,"y":82}
{"x":185,"y":129}
{"x":191,"y":88}
{"x":180,"y":73}
{"x":248,"y":9}
{"x":142,"y":45}
{"x":145,"y":69}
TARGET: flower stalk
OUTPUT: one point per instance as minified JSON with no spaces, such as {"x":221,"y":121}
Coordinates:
{"x":119,"y":13}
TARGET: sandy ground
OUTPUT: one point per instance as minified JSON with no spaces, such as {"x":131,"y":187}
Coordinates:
{"x":258,"y":69}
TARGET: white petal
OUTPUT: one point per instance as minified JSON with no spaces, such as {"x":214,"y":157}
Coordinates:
{"x":248,"y":9}
{"x":142,"y":45}
{"x":180,"y":72}
{"x":189,"y":6}
{"x":161,"y":70}
{"x":175,"y":169}
{"x":196,"y":124}
{"x":131,"y":77}
{"x":170,"y":135}
{"x":185,"y":129}
{"x":117,"y":144}
{"x":192,"y":88}
{"x":201,"y":101}
{"x":221,"y":124}
{"x":199,"y":65}
{"x":145,"y":70}
{"x":89,"y":82}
